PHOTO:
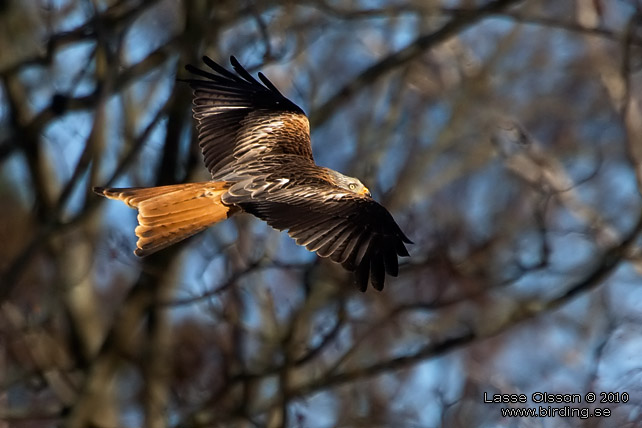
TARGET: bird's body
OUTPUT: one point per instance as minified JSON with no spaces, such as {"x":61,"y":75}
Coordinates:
{"x":256,"y":144}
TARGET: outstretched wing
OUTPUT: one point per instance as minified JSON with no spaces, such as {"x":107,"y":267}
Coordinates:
{"x":241,"y":119}
{"x":350,"y":229}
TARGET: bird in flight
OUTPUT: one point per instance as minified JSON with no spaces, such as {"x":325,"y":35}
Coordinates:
{"x":256,"y":144}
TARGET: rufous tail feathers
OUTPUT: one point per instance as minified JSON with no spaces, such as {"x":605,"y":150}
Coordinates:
{"x":169,"y":214}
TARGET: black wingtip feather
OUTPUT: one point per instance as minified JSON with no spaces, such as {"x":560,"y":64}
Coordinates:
{"x":390,"y":261}
{"x":361,"y":276}
{"x":401,"y":249}
{"x":241,"y":82}
{"x":220,"y":69}
{"x":268,"y":83}
{"x":242,"y":71}
{"x":377,"y":272}
{"x":403,"y":236}
{"x":202,"y":73}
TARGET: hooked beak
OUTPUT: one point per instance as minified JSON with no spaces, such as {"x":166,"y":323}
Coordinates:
{"x":366,"y":192}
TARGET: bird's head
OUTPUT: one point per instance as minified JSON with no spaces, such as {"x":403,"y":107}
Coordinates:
{"x":351,"y":184}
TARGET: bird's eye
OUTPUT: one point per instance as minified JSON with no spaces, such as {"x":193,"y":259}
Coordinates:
{"x":352,"y":186}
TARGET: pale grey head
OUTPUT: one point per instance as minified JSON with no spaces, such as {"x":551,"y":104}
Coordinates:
{"x":350,"y":184}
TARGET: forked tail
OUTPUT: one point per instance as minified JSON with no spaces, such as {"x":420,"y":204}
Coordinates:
{"x":169,"y":214}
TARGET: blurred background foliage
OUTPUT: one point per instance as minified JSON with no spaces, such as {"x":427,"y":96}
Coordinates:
{"x":504,"y":135}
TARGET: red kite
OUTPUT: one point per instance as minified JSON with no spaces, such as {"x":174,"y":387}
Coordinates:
{"x":256,"y":144}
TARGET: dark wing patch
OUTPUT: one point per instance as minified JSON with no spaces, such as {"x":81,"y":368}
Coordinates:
{"x":352,"y":230}
{"x":240,"y":118}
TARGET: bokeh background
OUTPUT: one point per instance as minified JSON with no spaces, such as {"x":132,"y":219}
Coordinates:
{"x":504,"y":135}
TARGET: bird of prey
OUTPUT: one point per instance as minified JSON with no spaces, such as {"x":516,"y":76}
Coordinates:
{"x":256,"y":145}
